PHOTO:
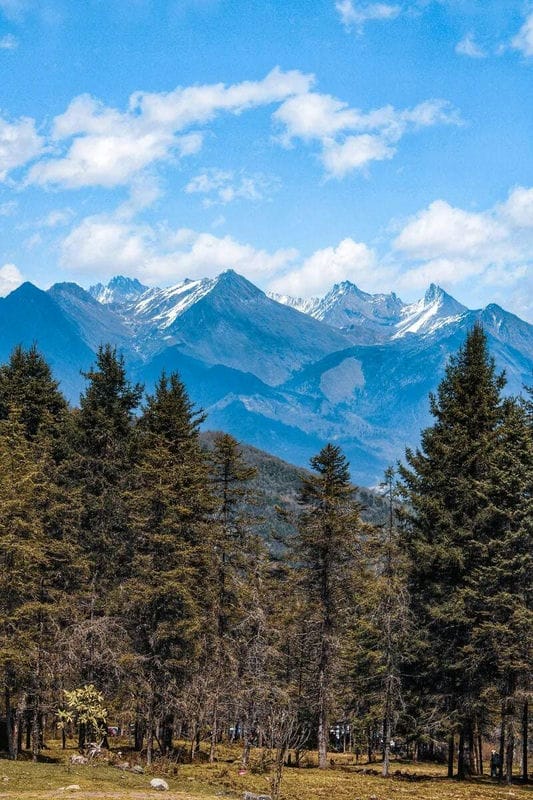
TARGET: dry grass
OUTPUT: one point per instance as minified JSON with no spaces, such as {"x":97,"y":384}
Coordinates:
{"x":24,"y":780}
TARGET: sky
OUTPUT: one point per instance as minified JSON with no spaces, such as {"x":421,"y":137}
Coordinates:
{"x":299,"y":142}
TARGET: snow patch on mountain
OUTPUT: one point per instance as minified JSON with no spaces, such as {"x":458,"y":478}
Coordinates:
{"x":306,"y":305}
{"x":339,"y":383}
{"x":164,"y":306}
{"x":118,"y":290}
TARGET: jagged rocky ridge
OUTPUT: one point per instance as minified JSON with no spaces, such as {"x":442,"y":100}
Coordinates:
{"x":281,"y":374}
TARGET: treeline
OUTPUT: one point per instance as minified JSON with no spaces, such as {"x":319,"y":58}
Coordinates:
{"x":140,"y":585}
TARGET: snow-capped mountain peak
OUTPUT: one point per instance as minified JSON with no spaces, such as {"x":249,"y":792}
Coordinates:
{"x":366,"y":317}
{"x":436,"y":309}
{"x":118,"y":290}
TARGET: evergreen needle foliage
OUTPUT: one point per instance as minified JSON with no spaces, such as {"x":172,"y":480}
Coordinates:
{"x":189,"y":589}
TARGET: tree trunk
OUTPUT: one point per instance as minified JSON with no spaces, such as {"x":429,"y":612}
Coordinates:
{"x":386,"y":743}
{"x":451,"y":745}
{"x":480,"y":753}
{"x":275,"y":780}
{"x":138,"y":734}
{"x":36,"y":728}
{"x":525,"y":739}
{"x":28,"y":726}
{"x":323,"y":733}
{"x":192,"y":751}
{"x":472,"y":761}
{"x":12,"y":738}
{"x":246,"y":747}
{"x":166,"y":734}
{"x":510,"y":738}
{"x":502,"y":743}
{"x":461,"y":767}
{"x":213,"y":744}
{"x":150,"y":733}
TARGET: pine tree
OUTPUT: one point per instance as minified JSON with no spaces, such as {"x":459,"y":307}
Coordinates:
{"x":169,"y":503}
{"x":237,"y":554}
{"x":27,"y":385}
{"x":28,"y":602}
{"x":104,"y":427}
{"x":39,"y":514}
{"x":504,"y":635}
{"x":448,"y":484}
{"x":326,"y":555}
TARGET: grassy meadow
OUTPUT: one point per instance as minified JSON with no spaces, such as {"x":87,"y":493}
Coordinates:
{"x":346,"y":780}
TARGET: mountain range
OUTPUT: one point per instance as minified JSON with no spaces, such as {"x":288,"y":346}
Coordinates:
{"x":280,"y":373}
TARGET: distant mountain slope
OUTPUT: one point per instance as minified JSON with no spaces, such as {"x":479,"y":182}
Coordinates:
{"x":355,"y":369}
{"x":96,"y":323}
{"x":229,"y":321}
{"x":278,"y":484}
{"x":29,"y":315}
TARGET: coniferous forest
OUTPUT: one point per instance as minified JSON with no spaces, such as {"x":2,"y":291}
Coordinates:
{"x":146,"y":587}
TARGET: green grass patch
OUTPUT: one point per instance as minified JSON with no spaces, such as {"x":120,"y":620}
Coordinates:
{"x":25,"y":780}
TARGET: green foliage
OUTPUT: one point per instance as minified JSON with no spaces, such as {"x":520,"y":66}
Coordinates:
{"x":28,"y":391}
{"x":467,"y":534}
{"x":207,"y":587}
{"x":84,"y":706}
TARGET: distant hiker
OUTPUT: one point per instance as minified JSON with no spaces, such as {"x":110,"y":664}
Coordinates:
{"x":494,"y":764}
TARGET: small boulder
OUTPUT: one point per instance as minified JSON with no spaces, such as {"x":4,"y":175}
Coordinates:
{"x":73,"y":787}
{"x":78,"y":759}
{"x":138,"y":769}
{"x":159,"y":784}
{"x":252,"y":796}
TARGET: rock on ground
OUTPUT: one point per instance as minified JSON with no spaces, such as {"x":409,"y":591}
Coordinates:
{"x":159,"y":784}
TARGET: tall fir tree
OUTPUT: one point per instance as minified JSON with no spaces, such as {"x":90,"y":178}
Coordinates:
{"x":100,"y":466}
{"x":237,"y":555}
{"x":327,"y":556}
{"x":161,"y":600}
{"x":449,"y":484}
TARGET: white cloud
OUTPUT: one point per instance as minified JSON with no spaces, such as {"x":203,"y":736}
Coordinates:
{"x":351,"y":139}
{"x":518,"y":209}
{"x":354,"y":152}
{"x":223,"y":187}
{"x":442,"y":230}
{"x":19,"y":144}
{"x":105,"y":245}
{"x":523,"y":40}
{"x":350,"y":260}
{"x":449,"y":245}
{"x":107,"y":147}
{"x":445,"y":271}
{"x":8,"y":42}
{"x":469,"y":47}
{"x":316,"y":116}
{"x":97,"y":243}
{"x":10,"y":278}
{"x":357,"y":14}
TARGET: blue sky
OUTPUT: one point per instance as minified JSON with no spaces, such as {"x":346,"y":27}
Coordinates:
{"x":300,"y":143}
